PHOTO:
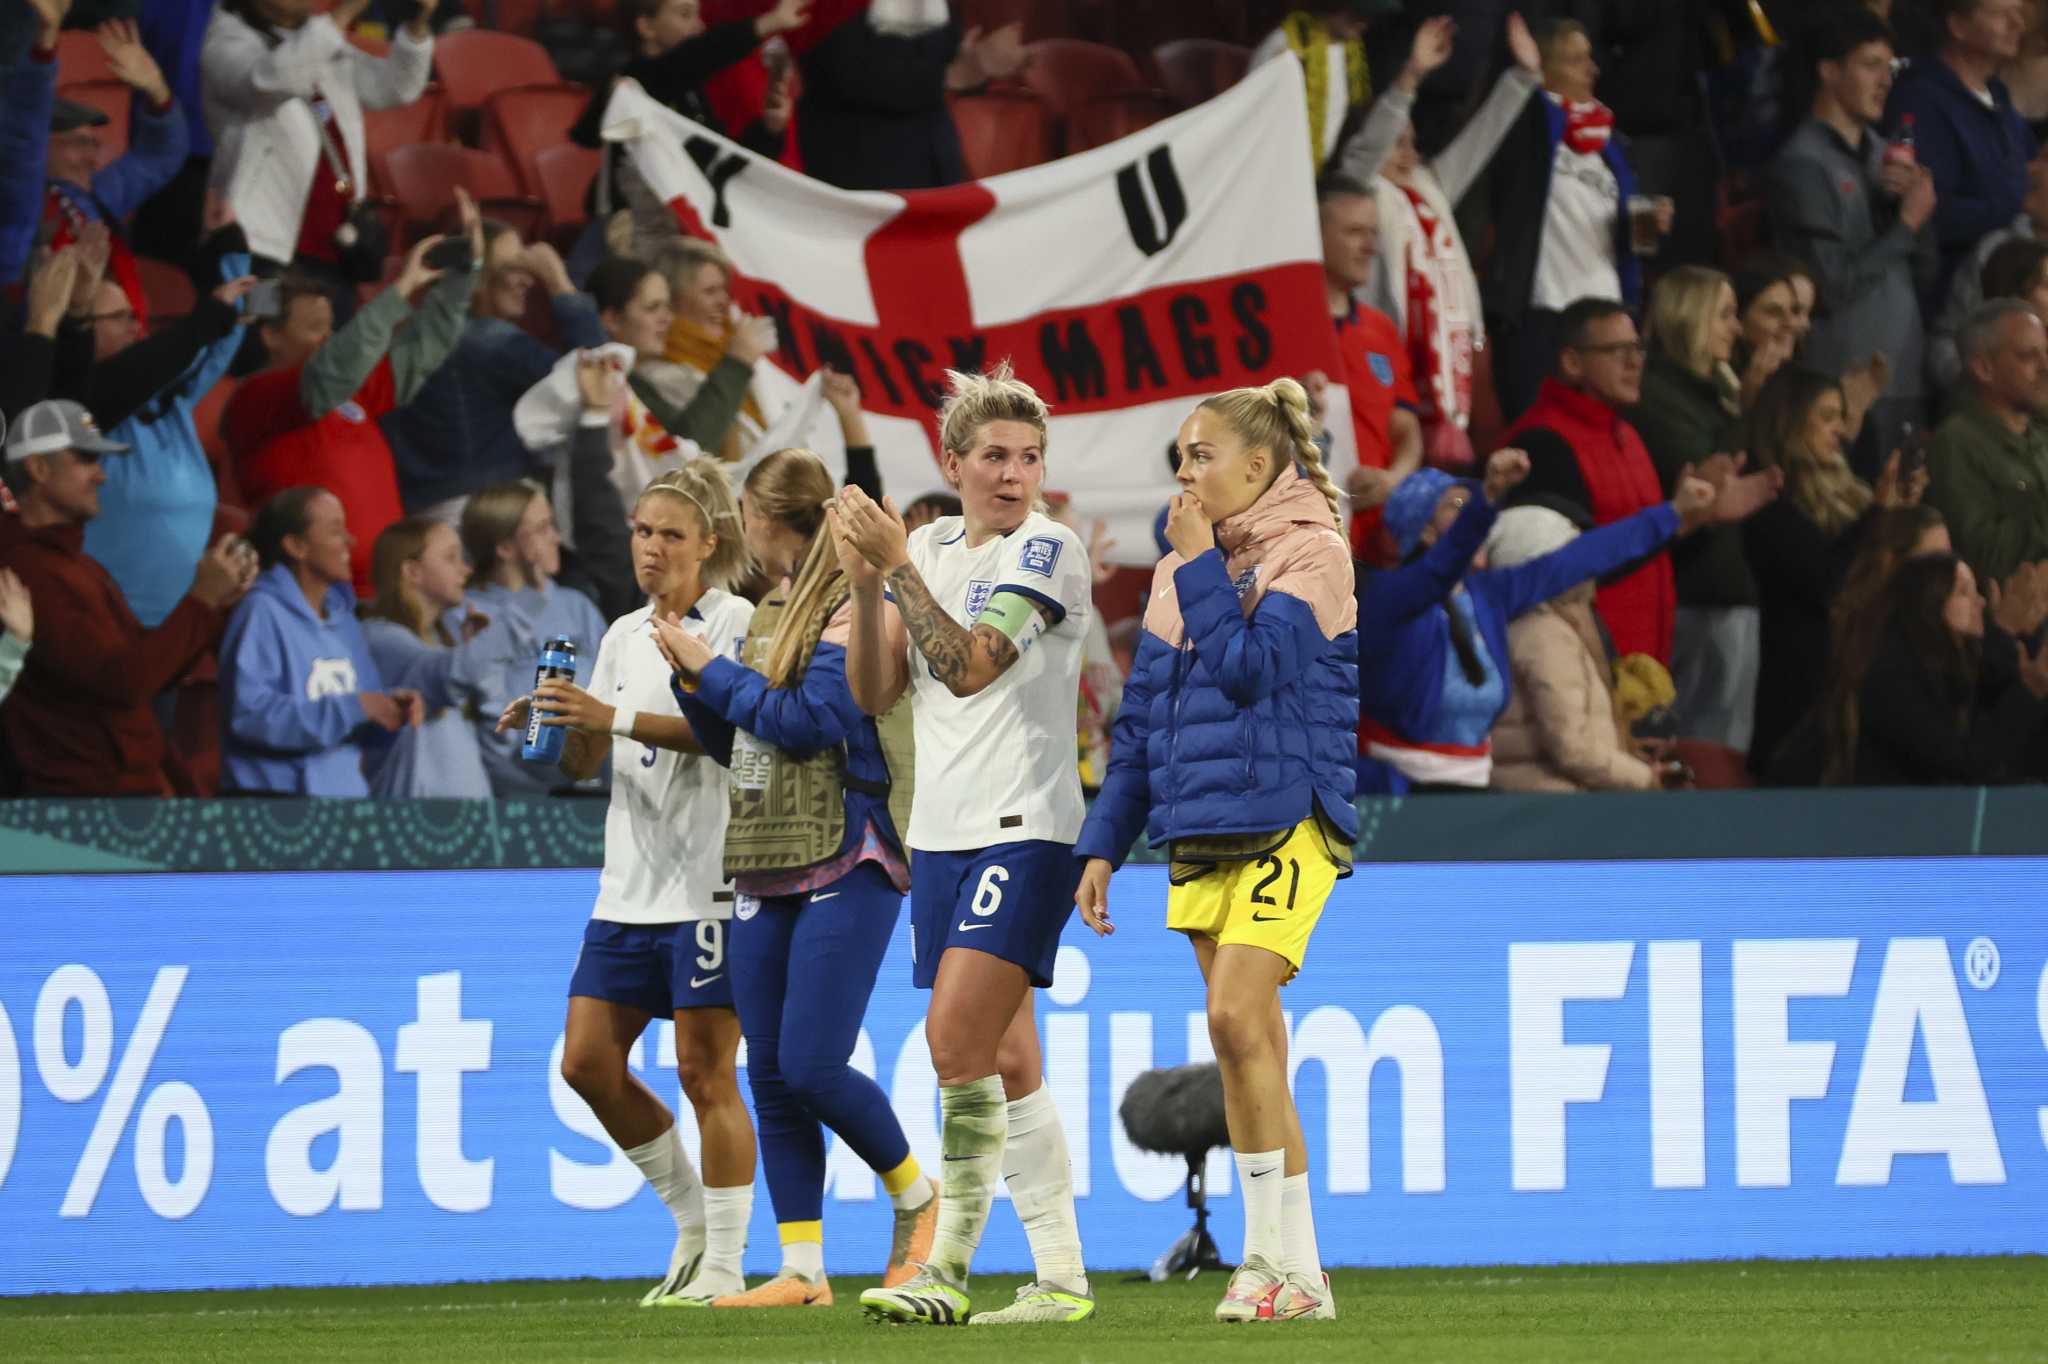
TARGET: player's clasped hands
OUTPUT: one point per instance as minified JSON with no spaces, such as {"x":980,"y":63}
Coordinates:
{"x":685,"y":652}
{"x":1091,"y":897}
{"x":876,"y":531}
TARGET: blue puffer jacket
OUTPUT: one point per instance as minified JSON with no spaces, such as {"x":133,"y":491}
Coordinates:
{"x":1242,"y":703}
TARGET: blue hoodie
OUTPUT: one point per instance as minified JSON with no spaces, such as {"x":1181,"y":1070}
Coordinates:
{"x":288,"y":682}
{"x":531,"y":618}
{"x":441,"y":758}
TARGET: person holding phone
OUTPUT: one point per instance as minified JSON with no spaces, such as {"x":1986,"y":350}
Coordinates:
{"x":311,"y":418}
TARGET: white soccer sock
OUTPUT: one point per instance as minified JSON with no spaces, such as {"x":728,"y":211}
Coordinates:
{"x":726,"y":1212}
{"x":973,"y":1122}
{"x":1261,"y":1174}
{"x":804,"y":1257}
{"x":668,"y":1170}
{"x":1041,"y":1180}
{"x":1298,"y":1230}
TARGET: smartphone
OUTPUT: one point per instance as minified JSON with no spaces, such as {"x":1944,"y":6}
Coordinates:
{"x":452,"y":254}
{"x":1912,"y":449}
{"x":265,"y":300}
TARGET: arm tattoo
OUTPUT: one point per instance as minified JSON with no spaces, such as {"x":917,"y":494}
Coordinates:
{"x":940,"y":638}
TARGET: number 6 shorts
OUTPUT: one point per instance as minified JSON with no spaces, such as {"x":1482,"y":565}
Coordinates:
{"x":1271,"y":902}
{"x":1010,"y":901}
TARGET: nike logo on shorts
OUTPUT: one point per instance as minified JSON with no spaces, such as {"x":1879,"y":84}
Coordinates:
{"x":823,"y":895}
{"x":966,"y":927}
{"x":698,"y":983}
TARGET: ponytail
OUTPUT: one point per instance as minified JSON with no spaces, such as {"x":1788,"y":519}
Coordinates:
{"x":1276,"y":418}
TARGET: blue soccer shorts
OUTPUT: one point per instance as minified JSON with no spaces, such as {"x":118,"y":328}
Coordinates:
{"x":658,"y":969}
{"x":1010,"y":901}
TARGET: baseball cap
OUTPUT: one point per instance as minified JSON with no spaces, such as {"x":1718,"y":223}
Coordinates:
{"x":54,"y":425}
{"x":68,"y":115}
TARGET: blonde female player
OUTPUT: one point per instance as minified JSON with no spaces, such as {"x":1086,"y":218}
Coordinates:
{"x":655,"y":946}
{"x":994,"y":603}
{"x":1235,"y":749}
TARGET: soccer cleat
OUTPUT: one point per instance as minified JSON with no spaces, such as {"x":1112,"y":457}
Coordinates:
{"x":682,"y":1268}
{"x":924,"y":1299}
{"x":1301,"y":1300}
{"x":912,"y":1240}
{"x":1251,"y":1293}
{"x":1043,"y":1301}
{"x":704,"y":1289}
{"x":787,"y":1289}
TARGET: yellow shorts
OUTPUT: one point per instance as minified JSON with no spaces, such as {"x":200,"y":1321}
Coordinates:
{"x":1271,"y":902}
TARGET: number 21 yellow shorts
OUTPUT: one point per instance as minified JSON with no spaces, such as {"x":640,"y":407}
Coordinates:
{"x":1272,"y":901}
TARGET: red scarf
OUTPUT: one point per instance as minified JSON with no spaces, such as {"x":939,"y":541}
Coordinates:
{"x":121,"y":268}
{"x":1440,"y":330}
{"x":1587,"y":126}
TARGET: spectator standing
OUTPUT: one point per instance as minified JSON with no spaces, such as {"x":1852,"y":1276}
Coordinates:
{"x":873,"y":111}
{"x":1329,"y":40}
{"x":421,"y":638}
{"x":1858,"y":209}
{"x":79,"y":723}
{"x":1690,"y":412}
{"x":1566,"y":185}
{"x":174,"y":31}
{"x":1560,"y":731}
{"x":456,"y":434}
{"x":1377,"y":381}
{"x":1434,"y":673}
{"x":674,"y":55}
{"x":1424,"y":278}
{"x":1943,"y":700}
{"x":1966,"y":132}
{"x":284,"y":96}
{"x":299,"y":690}
{"x":72,"y":188}
{"x":710,"y":350}
{"x":1989,"y":462}
{"x":509,"y":536}
{"x":1966,"y":289}
{"x":157,"y":513}
{"x":311,"y":418}
{"x":17,"y":629}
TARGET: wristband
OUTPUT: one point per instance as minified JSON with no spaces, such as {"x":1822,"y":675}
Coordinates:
{"x":622,"y":723}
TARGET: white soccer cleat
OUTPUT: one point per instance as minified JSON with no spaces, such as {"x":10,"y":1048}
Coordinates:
{"x":1252,"y":1290}
{"x":1299,"y":1299}
{"x":1043,"y":1301}
{"x":682,"y":1267}
{"x":925,"y":1299}
{"x":703,"y":1287}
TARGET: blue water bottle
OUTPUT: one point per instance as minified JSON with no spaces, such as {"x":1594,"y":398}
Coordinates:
{"x":544,"y":742}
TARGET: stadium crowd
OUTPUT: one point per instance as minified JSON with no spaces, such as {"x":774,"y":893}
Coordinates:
{"x":1694,"y":351}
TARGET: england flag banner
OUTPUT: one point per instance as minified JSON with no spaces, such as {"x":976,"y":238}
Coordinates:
{"x":1125,"y":284}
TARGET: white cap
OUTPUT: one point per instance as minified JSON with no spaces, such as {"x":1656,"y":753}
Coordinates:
{"x":56,"y":425}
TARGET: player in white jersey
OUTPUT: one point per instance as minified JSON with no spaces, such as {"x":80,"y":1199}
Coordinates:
{"x":655,"y":946}
{"x":984,"y":619}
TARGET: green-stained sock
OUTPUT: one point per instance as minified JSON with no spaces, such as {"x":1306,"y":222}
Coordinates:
{"x":974,"y":1120}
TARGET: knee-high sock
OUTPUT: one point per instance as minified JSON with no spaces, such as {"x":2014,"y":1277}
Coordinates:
{"x":668,"y":1170}
{"x":1041,"y":1180}
{"x":726,"y":1212}
{"x":1298,"y":1230}
{"x":972,"y":1128}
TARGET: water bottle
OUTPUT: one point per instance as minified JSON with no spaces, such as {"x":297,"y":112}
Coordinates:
{"x":1900,"y":151}
{"x":544,"y":742}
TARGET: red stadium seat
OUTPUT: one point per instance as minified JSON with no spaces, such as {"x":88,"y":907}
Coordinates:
{"x":80,"y":58}
{"x":1715,"y":767}
{"x":1002,"y":131}
{"x":1196,"y":69}
{"x":1068,"y":72}
{"x":423,"y":181}
{"x":565,"y":175}
{"x":168,"y":289}
{"x":522,"y":124}
{"x":1109,"y":117}
{"x":113,"y":99}
{"x":385,"y":130}
{"x":476,"y":63}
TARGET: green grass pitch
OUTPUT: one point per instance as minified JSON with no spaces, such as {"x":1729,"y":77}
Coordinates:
{"x":1858,"y":1310}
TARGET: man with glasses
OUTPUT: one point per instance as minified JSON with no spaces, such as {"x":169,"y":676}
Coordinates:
{"x":1858,"y":208}
{"x":79,"y":722}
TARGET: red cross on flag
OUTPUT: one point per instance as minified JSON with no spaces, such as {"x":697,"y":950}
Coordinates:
{"x":1125,"y":284}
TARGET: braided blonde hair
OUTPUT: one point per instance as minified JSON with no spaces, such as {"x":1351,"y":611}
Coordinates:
{"x":701,"y":486}
{"x":1276,"y":418}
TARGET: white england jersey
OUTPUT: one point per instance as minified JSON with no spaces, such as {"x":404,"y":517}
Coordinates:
{"x":664,"y":836}
{"x":1001,"y":766}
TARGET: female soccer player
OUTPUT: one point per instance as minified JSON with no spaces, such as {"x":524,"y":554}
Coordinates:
{"x":1236,"y":739}
{"x":656,"y":943}
{"x":819,"y":872}
{"x":994,"y":601}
